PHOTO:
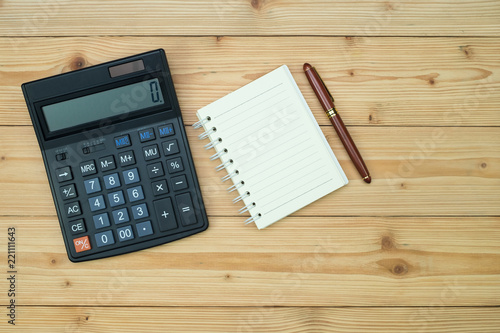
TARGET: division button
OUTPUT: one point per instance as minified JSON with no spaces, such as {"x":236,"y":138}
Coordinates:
{"x":122,"y":141}
{"x":147,"y":135}
{"x":68,"y":191}
{"x":175,"y":165}
{"x":125,"y":233}
{"x":77,"y":227}
{"x":151,"y":152}
{"x":166,"y":130}
{"x":144,"y":229}
{"x":160,"y":187}
{"x":179,"y":183}
{"x":155,"y":170}
{"x":72,"y":209}
{"x":82,"y":244}
{"x":104,"y":238}
{"x":88,"y":168}
{"x":170,"y":147}
{"x":107,"y":163}
{"x":64,"y":174}
{"x":127,"y":158}
{"x":165,"y":214}
{"x":185,"y":206}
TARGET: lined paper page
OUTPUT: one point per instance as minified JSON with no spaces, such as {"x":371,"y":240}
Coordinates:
{"x":276,"y":146}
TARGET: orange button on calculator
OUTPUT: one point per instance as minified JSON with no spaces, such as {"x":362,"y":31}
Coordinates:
{"x":82,"y":244}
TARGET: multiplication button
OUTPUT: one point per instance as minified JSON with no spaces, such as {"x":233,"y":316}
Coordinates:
{"x":160,"y":187}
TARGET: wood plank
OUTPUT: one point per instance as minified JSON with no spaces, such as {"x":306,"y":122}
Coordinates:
{"x":258,"y":319}
{"x":250,"y":17}
{"x":415,"y":170}
{"x":315,"y":261}
{"x":376,"y":81}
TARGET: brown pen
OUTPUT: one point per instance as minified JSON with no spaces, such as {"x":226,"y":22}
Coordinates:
{"x":326,"y":100}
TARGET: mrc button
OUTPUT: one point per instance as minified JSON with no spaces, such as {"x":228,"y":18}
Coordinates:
{"x":122,"y":141}
{"x":88,"y":168}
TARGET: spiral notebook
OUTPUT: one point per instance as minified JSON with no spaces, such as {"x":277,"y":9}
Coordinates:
{"x":271,"y":146}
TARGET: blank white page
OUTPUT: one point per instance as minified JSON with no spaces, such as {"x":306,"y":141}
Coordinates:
{"x":275,"y":145}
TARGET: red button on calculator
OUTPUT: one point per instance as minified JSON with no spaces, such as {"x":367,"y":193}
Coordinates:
{"x":82,"y":244}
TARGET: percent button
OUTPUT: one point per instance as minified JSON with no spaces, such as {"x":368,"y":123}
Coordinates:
{"x":175,"y":165}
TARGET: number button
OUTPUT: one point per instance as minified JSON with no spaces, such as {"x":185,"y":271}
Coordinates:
{"x":88,"y":168}
{"x":160,"y":187}
{"x":101,"y":221}
{"x":68,"y":191}
{"x":140,"y":211}
{"x":107,"y":163}
{"x":97,"y":203}
{"x":151,"y":152}
{"x":77,"y":227}
{"x":131,"y":176}
{"x":175,"y":165}
{"x":111,"y":181}
{"x":120,"y":216}
{"x":72,"y":209}
{"x":170,"y":147}
{"x":155,"y":170}
{"x":92,"y":185}
{"x":104,"y":238}
{"x":135,"y":193}
{"x":127,"y":158}
{"x":144,"y":229}
{"x":64,"y":174}
{"x":116,"y":198}
{"x":125,"y":233}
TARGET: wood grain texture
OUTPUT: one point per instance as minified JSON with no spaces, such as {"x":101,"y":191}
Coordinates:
{"x":250,"y":17}
{"x":336,"y":261}
{"x":375,"y":81}
{"x":260,"y":319}
{"x":416,"y":171}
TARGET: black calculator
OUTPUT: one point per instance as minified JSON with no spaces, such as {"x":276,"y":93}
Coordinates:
{"x":117,"y":156}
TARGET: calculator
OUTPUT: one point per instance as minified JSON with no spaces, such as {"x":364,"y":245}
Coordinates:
{"x":116,"y":156}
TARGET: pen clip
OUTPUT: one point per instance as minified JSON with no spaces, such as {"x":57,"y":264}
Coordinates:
{"x":324,"y":85}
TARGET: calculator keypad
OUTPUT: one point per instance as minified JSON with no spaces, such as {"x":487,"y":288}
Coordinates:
{"x":121,"y":200}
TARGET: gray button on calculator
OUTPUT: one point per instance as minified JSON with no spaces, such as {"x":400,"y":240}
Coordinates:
{"x":64,"y":174}
{"x":185,"y":206}
{"x":151,"y":152}
{"x":101,"y":221}
{"x":122,"y":141}
{"x":140,"y":211}
{"x":135,"y":193}
{"x":170,"y":147}
{"x":131,"y":176}
{"x":104,"y":238}
{"x":175,"y":165}
{"x":111,"y":181}
{"x":125,"y":233}
{"x":179,"y":182}
{"x":126,"y":158}
{"x":116,"y":198}
{"x":155,"y":170}
{"x":147,"y":135}
{"x":120,"y":216}
{"x":97,"y":203}
{"x":77,"y":227}
{"x":144,"y":229}
{"x":92,"y":185}
{"x":160,"y":187}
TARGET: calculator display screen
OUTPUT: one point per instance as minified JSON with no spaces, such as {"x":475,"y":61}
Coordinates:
{"x":105,"y":104}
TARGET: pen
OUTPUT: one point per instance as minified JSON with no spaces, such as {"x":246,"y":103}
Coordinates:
{"x":326,"y":100}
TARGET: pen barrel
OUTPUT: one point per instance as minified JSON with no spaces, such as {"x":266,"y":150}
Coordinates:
{"x":349,"y":145}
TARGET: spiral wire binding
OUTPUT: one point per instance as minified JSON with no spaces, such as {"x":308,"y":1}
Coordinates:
{"x":234,"y":187}
{"x":202,"y":122}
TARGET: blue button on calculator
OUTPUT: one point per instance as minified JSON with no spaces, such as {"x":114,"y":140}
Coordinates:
{"x":117,"y":156}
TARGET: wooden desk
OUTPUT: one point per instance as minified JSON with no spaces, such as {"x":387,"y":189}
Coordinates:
{"x":417,"y":83}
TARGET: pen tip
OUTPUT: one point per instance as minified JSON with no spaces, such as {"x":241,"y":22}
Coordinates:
{"x":307,"y":67}
{"x":368,"y":179}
